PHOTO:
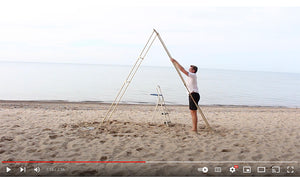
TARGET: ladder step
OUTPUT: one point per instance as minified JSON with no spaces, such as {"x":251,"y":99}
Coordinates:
{"x":167,"y":122}
{"x":155,"y":94}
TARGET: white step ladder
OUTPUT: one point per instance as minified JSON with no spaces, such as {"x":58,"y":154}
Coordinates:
{"x":161,"y":107}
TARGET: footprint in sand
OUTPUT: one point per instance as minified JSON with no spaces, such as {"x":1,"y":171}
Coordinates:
{"x":286,"y":156}
{"x":52,"y":136}
{"x":128,"y":153}
{"x":6,"y":138}
{"x":63,"y":125}
{"x":226,"y":150}
{"x":53,"y":155}
{"x":20,"y":133}
{"x":103,"y":158}
{"x":236,"y":144}
{"x":244,"y":151}
{"x":139,"y":149}
{"x":88,"y":172}
{"x":31,"y":150}
{"x":257,"y":157}
{"x":15,"y":126}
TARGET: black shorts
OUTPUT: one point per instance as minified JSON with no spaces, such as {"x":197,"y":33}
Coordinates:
{"x":196,"y":97}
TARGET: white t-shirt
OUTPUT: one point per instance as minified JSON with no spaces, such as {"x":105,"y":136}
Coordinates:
{"x":191,"y":82}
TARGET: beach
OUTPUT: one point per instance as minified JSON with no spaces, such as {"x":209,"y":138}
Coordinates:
{"x":73,"y":131}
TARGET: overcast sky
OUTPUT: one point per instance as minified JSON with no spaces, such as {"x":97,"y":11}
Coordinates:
{"x":242,"y":35}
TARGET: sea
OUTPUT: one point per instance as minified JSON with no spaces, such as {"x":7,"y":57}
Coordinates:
{"x":101,"y":83}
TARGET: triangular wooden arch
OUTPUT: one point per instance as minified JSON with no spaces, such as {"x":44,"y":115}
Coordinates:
{"x":134,"y":70}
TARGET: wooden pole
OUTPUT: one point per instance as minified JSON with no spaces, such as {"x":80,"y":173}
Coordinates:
{"x":168,"y":53}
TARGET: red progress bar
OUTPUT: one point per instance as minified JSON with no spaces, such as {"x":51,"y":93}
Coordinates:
{"x":73,"y":161}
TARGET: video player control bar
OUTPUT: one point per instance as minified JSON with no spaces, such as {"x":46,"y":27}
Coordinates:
{"x":175,"y":162}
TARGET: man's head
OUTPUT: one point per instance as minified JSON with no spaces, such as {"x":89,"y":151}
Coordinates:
{"x":193,"y":69}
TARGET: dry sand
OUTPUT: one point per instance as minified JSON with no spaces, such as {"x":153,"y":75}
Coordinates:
{"x":62,"y":131}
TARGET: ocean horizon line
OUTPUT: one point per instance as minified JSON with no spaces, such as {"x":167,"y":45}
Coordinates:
{"x":125,"y":65}
{"x":138,"y":103}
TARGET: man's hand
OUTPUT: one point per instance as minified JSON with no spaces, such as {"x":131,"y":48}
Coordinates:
{"x":179,"y":66}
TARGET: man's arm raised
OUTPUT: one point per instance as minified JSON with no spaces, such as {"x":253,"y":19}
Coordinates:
{"x":179,"y":66}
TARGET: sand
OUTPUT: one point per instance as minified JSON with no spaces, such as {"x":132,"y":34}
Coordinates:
{"x":63,"y":131}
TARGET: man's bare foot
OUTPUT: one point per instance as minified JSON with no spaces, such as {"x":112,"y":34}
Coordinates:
{"x":194,"y":130}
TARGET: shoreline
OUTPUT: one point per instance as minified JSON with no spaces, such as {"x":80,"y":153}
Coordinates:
{"x":139,"y":104}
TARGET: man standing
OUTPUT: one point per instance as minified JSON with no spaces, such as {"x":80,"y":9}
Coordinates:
{"x":192,"y":86}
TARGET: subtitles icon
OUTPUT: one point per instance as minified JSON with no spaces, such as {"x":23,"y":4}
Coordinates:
{"x":275,"y":169}
{"x":261,"y":169}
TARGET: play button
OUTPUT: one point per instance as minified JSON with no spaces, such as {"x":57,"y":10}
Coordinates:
{"x":8,"y":169}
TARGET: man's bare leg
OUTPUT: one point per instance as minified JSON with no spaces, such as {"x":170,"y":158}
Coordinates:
{"x":194,"y":119}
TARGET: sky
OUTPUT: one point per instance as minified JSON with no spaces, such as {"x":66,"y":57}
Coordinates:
{"x":252,"y":35}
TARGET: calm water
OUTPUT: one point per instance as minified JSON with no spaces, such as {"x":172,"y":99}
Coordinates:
{"x":78,"y":82}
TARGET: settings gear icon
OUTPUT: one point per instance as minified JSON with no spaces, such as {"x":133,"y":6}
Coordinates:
{"x":232,"y":169}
